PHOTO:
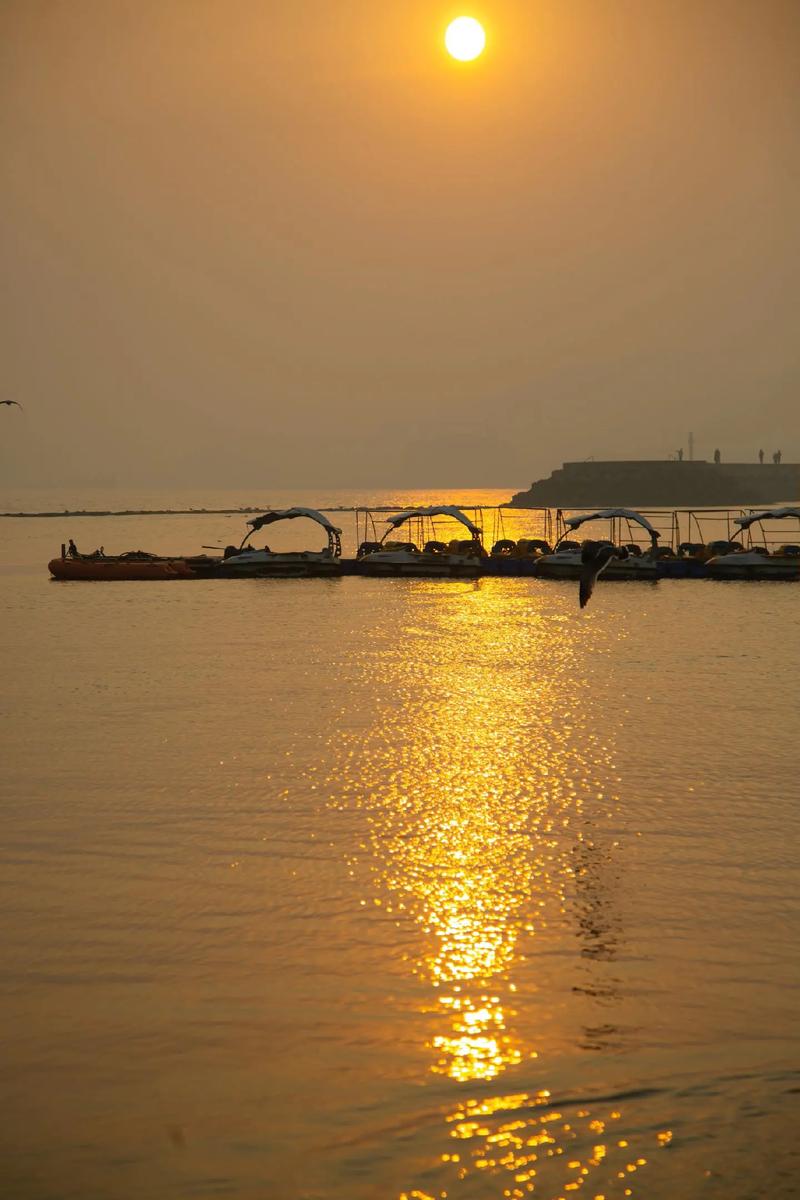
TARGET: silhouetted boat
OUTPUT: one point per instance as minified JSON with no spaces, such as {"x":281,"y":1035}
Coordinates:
{"x":135,"y":565}
{"x":759,"y":562}
{"x":436,"y":558}
{"x":243,"y":561}
{"x":247,"y":560}
{"x":566,"y":562}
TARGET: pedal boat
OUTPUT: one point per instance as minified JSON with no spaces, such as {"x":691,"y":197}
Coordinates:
{"x":246,"y":561}
{"x":436,"y":559}
{"x":757,"y":561}
{"x":565,"y":561}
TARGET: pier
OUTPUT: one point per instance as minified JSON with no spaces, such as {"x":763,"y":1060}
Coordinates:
{"x":663,"y":484}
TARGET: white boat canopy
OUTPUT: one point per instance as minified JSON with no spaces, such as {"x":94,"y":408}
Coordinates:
{"x":607,"y":513}
{"x":435,"y":510}
{"x":766,"y":514}
{"x":289,"y":514}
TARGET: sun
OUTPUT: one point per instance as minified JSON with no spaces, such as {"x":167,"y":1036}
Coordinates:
{"x":465,"y":39}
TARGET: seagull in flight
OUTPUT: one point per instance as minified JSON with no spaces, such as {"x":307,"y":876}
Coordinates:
{"x":11,"y":402}
{"x":595,"y":557}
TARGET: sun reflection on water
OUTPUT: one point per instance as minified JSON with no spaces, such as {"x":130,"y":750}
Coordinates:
{"x":472,"y":778}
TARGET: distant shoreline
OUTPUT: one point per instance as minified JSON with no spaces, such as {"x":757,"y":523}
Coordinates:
{"x":145,"y":512}
{"x":218,"y":512}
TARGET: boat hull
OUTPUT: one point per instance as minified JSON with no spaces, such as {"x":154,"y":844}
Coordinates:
{"x":265,"y":565}
{"x":114,"y":569}
{"x":760,"y":567}
{"x":394,"y":563}
{"x":569,"y":566}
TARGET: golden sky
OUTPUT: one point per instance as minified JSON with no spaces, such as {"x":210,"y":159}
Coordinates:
{"x":251,"y":242}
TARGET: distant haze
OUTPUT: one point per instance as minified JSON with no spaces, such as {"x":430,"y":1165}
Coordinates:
{"x":249,"y":242}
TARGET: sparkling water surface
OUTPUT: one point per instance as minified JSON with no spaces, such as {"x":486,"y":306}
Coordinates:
{"x":361,"y":889}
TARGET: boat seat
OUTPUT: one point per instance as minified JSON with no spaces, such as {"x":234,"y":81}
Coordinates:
{"x":533,"y":547}
{"x":463,"y":546}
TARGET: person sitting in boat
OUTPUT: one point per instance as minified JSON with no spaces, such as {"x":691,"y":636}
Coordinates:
{"x":72,"y":550}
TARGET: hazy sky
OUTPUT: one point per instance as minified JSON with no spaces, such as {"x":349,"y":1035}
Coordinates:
{"x":260,"y":243}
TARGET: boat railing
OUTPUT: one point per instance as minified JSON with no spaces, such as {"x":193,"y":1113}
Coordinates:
{"x":684,"y":532}
{"x":622,"y":530}
{"x":771,"y":534}
{"x":706,"y":527}
{"x":371,"y":531}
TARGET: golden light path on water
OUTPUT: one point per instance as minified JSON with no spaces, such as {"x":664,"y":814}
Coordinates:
{"x":472,"y":776}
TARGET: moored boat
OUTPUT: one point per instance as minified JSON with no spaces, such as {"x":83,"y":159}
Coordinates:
{"x":436,"y":558}
{"x":131,"y":566}
{"x":757,"y":561}
{"x":565,"y":562}
{"x":248,"y":561}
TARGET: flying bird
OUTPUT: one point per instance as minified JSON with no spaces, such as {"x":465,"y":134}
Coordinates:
{"x":595,"y":557}
{"x":11,"y":402}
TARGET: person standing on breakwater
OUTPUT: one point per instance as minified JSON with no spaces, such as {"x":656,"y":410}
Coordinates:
{"x":776,"y":458}
{"x":717,"y":457}
{"x":761,"y":457}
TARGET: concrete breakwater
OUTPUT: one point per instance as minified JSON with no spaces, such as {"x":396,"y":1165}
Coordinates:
{"x":663,"y":484}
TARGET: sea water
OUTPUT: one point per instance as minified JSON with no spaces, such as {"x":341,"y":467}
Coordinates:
{"x":361,"y":889}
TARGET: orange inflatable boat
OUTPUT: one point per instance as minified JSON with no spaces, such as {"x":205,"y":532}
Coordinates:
{"x":136,"y":565}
